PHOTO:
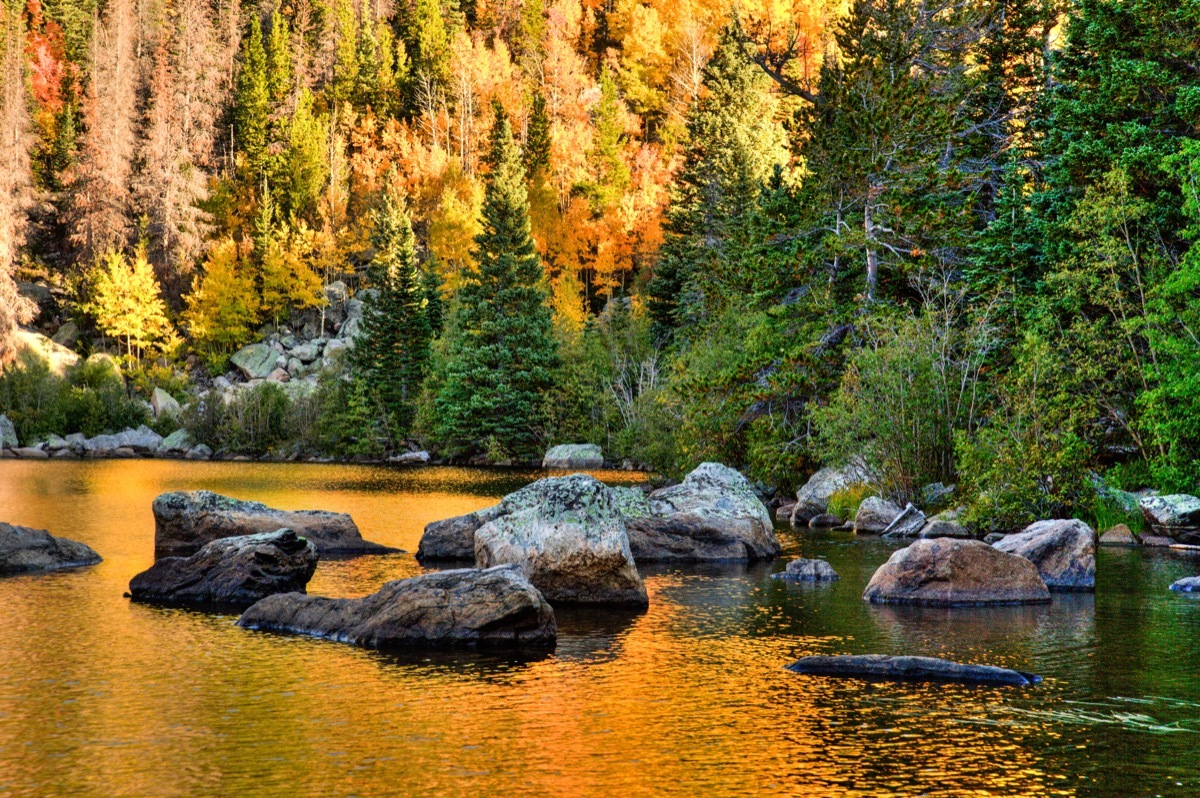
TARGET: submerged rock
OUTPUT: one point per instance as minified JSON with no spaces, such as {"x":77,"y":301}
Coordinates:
{"x":466,"y":608}
{"x":923,"y":669}
{"x":1176,"y":516}
{"x":1064,"y":552}
{"x":23,"y":550}
{"x":808,"y":571}
{"x":824,"y":521}
{"x":950,"y":572}
{"x":712,"y":516}
{"x":184,"y":521}
{"x":233,"y":572}
{"x":874,"y":515}
{"x":569,"y":537}
{"x":574,"y":455}
{"x":813,"y":497}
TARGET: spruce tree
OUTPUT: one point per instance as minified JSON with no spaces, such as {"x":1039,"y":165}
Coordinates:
{"x":252,"y":102}
{"x":391,"y":348}
{"x":431,"y":292}
{"x":537,"y":139}
{"x":279,"y":59}
{"x":502,"y":355}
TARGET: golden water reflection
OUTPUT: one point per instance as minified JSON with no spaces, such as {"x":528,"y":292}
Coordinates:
{"x":102,"y":697}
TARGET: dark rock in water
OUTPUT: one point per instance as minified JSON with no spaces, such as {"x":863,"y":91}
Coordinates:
{"x":454,"y":538}
{"x":186,"y":521}
{"x":1189,"y":584}
{"x":1064,"y":552}
{"x":784,"y":511}
{"x":951,"y":572}
{"x":231,"y":572}
{"x":465,"y":608}
{"x":808,"y":571}
{"x":921,"y":669}
{"x":1156,"y":541}
{"x":712,"y":516}
{"x":824,"y":521}
{"x":24,"y":550}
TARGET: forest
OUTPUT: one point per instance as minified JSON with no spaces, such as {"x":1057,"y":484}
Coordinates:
{"x":950,"y":240}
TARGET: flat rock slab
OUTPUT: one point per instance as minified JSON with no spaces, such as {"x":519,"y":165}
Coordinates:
{"x":230,"y":572}
{"x":1064,"y":552}
{"x":948,"y":572}
{"x":808,"y":571}
{"x":918,"y":669}
{"x":463,"y":608}
{"x":26,"y":550}
{"x":184,"y":521}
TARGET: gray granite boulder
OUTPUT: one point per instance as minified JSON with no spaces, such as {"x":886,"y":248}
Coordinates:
{"x":8,"y":434}
{"x":454,"y":538}
{"x":24,"y":550}
{"x":1119,"y":535}
{"x":163,"y":404}
{"x":573,"y":455}
{"x":874,"y":515}
{"x":466,"y":608}
{"x":950,"y":572}
{"x":569,"y":537}
{"x":184,"y":521}
{"x":808,"y":571}
{"x":813,"y":497}
{"x":1176,"y":516}
{"x":1064,"y":552}
{"x":1188,"y":584}
{"x":908,"y":524}
{"x":142,"y":439}
{"x":713,"y":515}
{"x":232,"y":572}
{"x":939,"y":528}
{"x":178,"y":441}
{"x":255,"y":361}
{"x":922,"y":669}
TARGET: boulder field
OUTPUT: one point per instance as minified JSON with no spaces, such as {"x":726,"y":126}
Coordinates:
{"x":230,"y":572}
{"x":184,"y":521}
{"x":464,"y":608}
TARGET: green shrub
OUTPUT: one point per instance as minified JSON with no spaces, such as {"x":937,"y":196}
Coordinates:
{"x":1107,"y":513}
{"x":845,"y":501}
{"x":339,"y":418}
{"x":204,"y":418}
{"x":257,"y":419}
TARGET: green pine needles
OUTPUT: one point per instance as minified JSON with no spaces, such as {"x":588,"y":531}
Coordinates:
{"x":391,"y":348}
{"x":501,"y":353}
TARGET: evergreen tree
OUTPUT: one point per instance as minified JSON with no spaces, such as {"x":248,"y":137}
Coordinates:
{"x":502,"y":354}
{"x":733,"y":145}
{"x":610,"y":172}
{"x":252,"y":101}
{"x":537,"y":140}
{"x":279,"y":59}
{"x":431,"y":292}
{"x":391,"y":349}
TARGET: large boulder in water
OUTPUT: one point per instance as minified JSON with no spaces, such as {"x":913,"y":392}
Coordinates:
{"x":454,"y":538}
{"x":813,"y":497}
{"x":233,"y":572}
{"x":951,"y":572}
{"x":186,"y":520}
{"x":574,"y":455}
{"x":808,"y":571}
{"x":569,"y":537}
{"x":1064,"y":552}
{"x":466,"y":608}
{"x":1176,"y":516}
{"x":23,"y":550}
{"x":713,"y":515}
{"x":921,"y":669}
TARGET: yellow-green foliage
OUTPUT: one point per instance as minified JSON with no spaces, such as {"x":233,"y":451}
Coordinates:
{"x":844,"y":503}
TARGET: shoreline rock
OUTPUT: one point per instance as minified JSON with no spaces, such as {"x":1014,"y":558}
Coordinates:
{"x":464,"y":608}
{"x":26,"y":550}
{"x":1064,"y":552}
{"x":812,"y":498}
{"x":1175,"y":516}
{"x":230,"y":572}
{"x":922,"y":669}
{"x":574,"y":456}
{"x":948,"y":572}
{"x":184,"y":521}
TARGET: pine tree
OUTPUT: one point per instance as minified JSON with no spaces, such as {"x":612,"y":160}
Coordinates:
{"x":252,"y":100}
{"x":611,"y":174}
{"x":279,"y":59}
{"x":502,"y":354}
{"x":733,"y":146}
{"x":391,"y":348}
{"x":537,"y":140}
{"x":431,"y":292}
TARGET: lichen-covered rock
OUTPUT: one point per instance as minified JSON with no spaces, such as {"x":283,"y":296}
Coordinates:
{"x":184,"y":521}
{"x":882,"y":666}
{"x":950,"y":572}
{"x":874,"y":515}
{"x":178,"y":441}
{"x":908,"y":524}
{"x":569,"y":537}
{"x":939,"y":528}
{"x":8,"y":434}
{"x":466,"y":608}
{"x":255,"y":361}
{"x":1176,"y":516}
{"x":163,"y":404}
{"x":23,"y":550}
{"x":232,"y":572}
{"x":454,"y":538}
{"x":142,"y":439}
{"x":713,"y":515}
{"x":574,"y":455}
{"x":813,"y":497}
{"x":808,"y":571}
{"x":1119,"y":535}
{"x":1064,"y":552}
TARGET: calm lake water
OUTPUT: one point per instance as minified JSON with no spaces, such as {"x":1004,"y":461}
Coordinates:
{"x":102,"y":697}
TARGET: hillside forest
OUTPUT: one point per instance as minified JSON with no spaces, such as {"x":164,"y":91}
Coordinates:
{"x":949,"y":240}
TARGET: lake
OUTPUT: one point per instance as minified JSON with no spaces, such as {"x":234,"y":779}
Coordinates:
{"x":99,"y":696}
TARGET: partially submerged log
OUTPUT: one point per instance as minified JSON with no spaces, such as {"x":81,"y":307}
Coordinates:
{"x":920,"y":669}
